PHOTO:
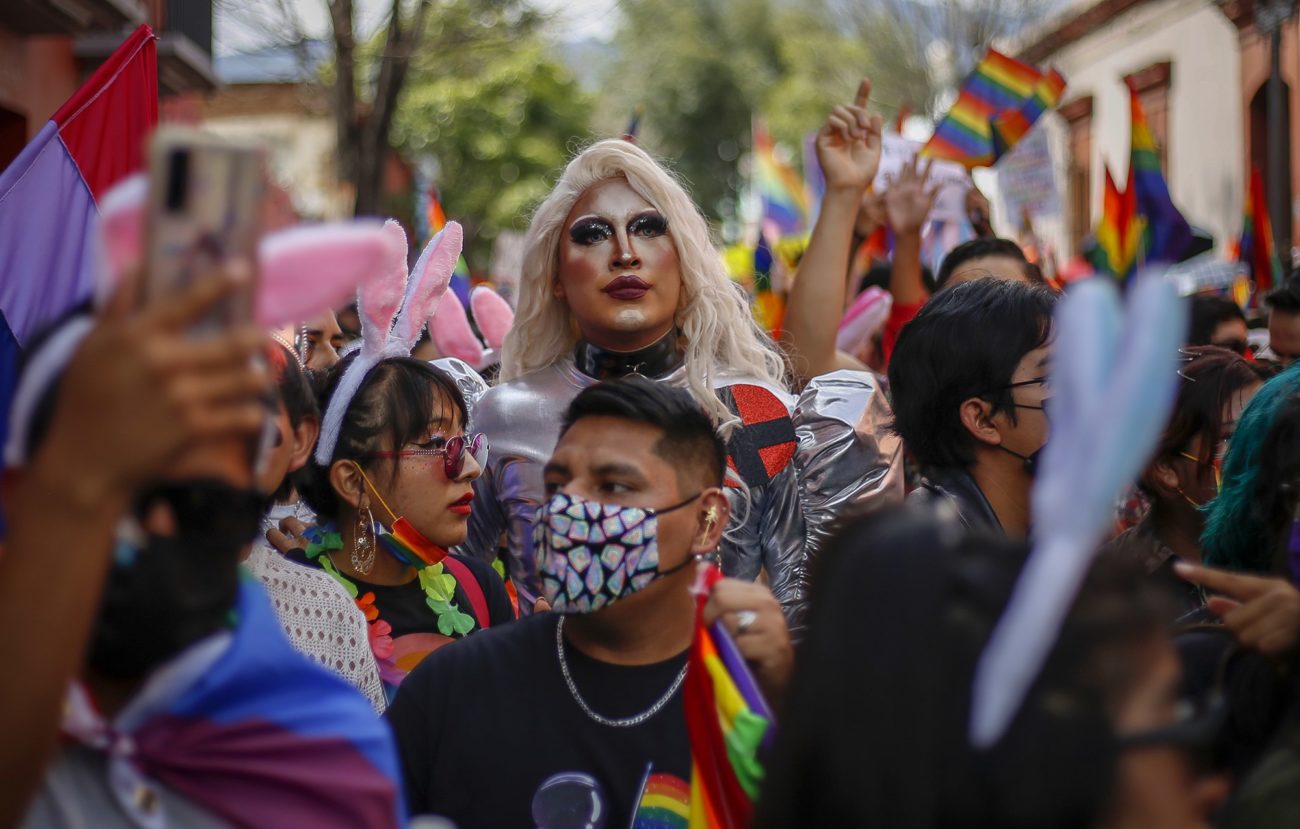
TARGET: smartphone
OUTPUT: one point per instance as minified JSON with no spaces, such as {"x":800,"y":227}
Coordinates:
{"x":206,"y":201}
{"x":205,"y":209}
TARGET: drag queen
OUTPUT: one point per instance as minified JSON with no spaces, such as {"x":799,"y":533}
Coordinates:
{"x":620,"y":276}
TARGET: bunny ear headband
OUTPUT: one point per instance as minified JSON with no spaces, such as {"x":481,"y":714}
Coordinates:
{"x":454,"y":337}
{"x":302,"y":272}
{"x":393,"y":308}
{"x":1114,"y":378}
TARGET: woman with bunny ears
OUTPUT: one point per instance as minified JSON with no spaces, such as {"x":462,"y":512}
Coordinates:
{"x":620,"y":277}
{"x":391,"y":476}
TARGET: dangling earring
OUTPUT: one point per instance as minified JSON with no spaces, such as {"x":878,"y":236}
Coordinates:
{"x":363,"y":540}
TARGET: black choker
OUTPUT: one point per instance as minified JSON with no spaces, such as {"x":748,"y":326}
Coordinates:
{"x":655,"y":360}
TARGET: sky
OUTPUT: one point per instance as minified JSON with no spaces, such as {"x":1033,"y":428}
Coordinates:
{"x":575,"y":20}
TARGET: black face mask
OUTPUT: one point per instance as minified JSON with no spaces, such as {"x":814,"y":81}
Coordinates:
{"x":1030,"y":460}
{"x":164,"y":593}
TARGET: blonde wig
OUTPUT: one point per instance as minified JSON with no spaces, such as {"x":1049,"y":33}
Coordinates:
{"x":722,"y":338}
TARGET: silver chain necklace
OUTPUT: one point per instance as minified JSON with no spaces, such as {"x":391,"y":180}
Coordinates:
{"x":626,"y":722}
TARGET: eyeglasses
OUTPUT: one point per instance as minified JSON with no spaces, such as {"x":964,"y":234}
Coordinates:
{"x":453,"y":451}
{"x":1045,"y":383}
{"x":1216,"y":463}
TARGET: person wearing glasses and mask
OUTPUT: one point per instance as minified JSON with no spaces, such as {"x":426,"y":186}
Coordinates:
{"x":1183,"y":477}
{"x":394,"y":496}
{"x":969,"y":383}
{"x":576,"y":717}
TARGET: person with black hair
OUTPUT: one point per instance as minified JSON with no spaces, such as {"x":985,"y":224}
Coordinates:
{"x":969,"y":382}
{"x":1219,"y":321}
{"x":598,"y":738}
{"x":318,"y":616}
{"x":987,"y":256}
{"x":876,"y":729}
{"x":180,"y":701}
{"x":1184,"y":475}
{"x":1284,"y":321}
{"x":394,"y":497}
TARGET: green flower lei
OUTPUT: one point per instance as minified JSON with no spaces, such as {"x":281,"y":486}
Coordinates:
{"x":439,"y":586}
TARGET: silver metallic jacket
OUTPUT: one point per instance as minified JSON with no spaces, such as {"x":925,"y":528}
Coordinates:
{"x":846,"y":461}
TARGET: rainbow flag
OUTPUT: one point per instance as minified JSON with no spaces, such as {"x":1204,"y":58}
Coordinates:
{"x":1009,"y":127}
{"x":432,"y":218}
{"x":665,"y":803}
{"x":781,"y":191}
{"x":727,"y":721}
{"x":997,"y":105}
{"x":768,"y":306}
{"x":1255,"y":248}
{"x":1165,"y":233}
{"x":1118,"y":232}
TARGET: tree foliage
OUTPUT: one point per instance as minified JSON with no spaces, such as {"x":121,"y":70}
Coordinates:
{"x":498,"y":123}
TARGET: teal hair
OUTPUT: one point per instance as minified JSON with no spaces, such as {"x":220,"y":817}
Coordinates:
{"x":1236,"y":535}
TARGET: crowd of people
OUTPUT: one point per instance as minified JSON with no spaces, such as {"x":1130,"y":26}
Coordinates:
{"x":312,"y":577}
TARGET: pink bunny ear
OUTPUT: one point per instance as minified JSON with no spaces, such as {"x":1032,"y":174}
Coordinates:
{"x":451,"y":333}
{"x":121,"y":231}
{"x":428,"y":283}
{"x":380,"y":298}
{"x":306,"y":270}
{"x":492,"y":314}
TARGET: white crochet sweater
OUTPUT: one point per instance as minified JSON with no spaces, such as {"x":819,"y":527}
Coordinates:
{"x":320,"y":619}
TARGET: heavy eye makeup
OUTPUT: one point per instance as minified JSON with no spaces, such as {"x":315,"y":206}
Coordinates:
{"x":591,"y":230}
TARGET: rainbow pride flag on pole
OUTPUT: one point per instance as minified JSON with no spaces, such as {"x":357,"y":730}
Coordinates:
{"x":727,"y":721}
{"x":1255,"y":247}
{"x":997,"y":104}
{"x":431,"y":219}
{"x":781,"y":191}
{"x":1165,"y":233}
{"x":1118,"y":232}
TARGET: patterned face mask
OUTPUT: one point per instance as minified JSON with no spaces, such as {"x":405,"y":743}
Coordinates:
{"x":593,"y":554}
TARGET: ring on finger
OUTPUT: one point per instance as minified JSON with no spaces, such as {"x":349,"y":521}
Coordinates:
{"x":745,"y":619}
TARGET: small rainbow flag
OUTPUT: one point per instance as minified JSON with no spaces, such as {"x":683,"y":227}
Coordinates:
{"x":727,"y":721}
{"x":1165,"y":233}
{"x":1256,"y":246}
{"x":431,"y":219}
{"x":768,"y":306}
{"x":665,"y":803}
{"x":1118,"y":232}
{"x":998,"y":103}
{"x":781,"y":191}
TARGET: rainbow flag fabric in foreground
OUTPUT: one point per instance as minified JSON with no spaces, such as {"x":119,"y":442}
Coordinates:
{"x":1255,"y":248}
{"x":727,"y":721}
{"x":780,"y":190}
{"x":1165,"y":233}
{"x":997,"y":104}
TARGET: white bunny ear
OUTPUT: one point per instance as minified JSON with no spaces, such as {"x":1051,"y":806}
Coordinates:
{"x":1113,"y":383}
{"x":379,"y":298}
{"x":451,"y":333}
{"x":121,"y":232}
{"x":492,"y":314}
{"x":304,"y":271}
{"x":429,"y":281}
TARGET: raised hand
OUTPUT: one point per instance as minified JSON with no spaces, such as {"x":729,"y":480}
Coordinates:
{"x":1262,"y":612}
{"x":849,"y":144}
{"x":908,"y":200}
{"x":140,"y":391}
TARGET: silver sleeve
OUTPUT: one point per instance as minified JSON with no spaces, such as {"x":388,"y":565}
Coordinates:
{"x":849,"y":459}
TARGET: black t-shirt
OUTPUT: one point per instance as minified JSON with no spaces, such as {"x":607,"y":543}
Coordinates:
{"x":404,"y":606}
{"x":490,"y":736}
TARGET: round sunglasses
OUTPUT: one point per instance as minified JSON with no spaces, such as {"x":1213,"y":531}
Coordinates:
{"x":453,"y":451}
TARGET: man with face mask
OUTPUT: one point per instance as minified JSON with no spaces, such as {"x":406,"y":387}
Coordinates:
{"x":190,"y":708}
{"x":970,"y":388}
{"x":575,"y":718}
